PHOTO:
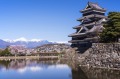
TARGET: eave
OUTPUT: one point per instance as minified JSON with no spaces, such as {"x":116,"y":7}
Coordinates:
{"x":84,"y":40}
{"x":76,"y":34}
{"x":86,"y":10}
{"x":91,"y":16}
{"x":76,"y":27}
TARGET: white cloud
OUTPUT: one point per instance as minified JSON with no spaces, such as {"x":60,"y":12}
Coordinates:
{"x":3,"y":69}
{"x":33,"y":69}
{"x":22,"y":70}
{"x":61,"y":66}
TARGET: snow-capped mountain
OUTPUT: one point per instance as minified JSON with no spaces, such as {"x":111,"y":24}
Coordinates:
{"x":23,"y":41}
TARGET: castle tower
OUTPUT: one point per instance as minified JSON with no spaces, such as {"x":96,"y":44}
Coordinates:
{"x":91,"y":25}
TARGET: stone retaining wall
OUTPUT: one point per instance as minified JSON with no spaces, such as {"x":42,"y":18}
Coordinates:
{"x":103,"y":55}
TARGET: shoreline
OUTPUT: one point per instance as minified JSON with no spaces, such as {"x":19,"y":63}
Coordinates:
{"x":99,"y":67}
{"x":29,"y":57}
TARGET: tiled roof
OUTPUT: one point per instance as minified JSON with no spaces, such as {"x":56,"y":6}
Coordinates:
{"x":92,"y":15}
{"x":94,"y":5}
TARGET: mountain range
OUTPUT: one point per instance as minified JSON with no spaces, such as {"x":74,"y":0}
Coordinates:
{"x":22,"y":41}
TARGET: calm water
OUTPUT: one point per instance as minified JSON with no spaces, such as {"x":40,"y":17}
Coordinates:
{"x":51,"y":69}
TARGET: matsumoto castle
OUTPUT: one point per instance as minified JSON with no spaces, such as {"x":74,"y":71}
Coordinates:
{"x":93,"y":17}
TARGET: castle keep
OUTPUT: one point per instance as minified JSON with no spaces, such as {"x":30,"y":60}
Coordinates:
{"x":91,"y":25}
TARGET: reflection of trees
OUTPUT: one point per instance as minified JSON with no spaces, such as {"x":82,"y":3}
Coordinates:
{"x":16,"y":64}
{"x":5,"y":63}
{"x":21,"y":63}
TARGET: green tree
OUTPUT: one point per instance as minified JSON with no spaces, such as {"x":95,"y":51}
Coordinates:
{"x":0,"y":52}
{"x":5,"y":52}
{"x":111,"y":33}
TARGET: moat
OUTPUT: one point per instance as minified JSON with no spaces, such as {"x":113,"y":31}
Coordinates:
{"x":51,"y":69}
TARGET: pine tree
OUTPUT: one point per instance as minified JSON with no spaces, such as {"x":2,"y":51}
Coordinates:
{"x":111,"y":33}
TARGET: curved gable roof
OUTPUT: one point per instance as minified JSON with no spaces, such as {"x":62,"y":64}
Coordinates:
{"x":92,"y":5}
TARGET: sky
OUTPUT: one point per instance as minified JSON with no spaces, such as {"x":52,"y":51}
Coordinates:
{"x":44,"y":19}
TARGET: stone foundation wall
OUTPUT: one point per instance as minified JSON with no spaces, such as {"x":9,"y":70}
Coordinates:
{"x":103,"y":55}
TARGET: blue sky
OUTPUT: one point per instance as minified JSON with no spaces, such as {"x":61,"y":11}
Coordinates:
{"x":44,"y":19}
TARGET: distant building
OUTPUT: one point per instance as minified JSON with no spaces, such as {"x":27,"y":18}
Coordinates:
{"x":91,"y":24}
